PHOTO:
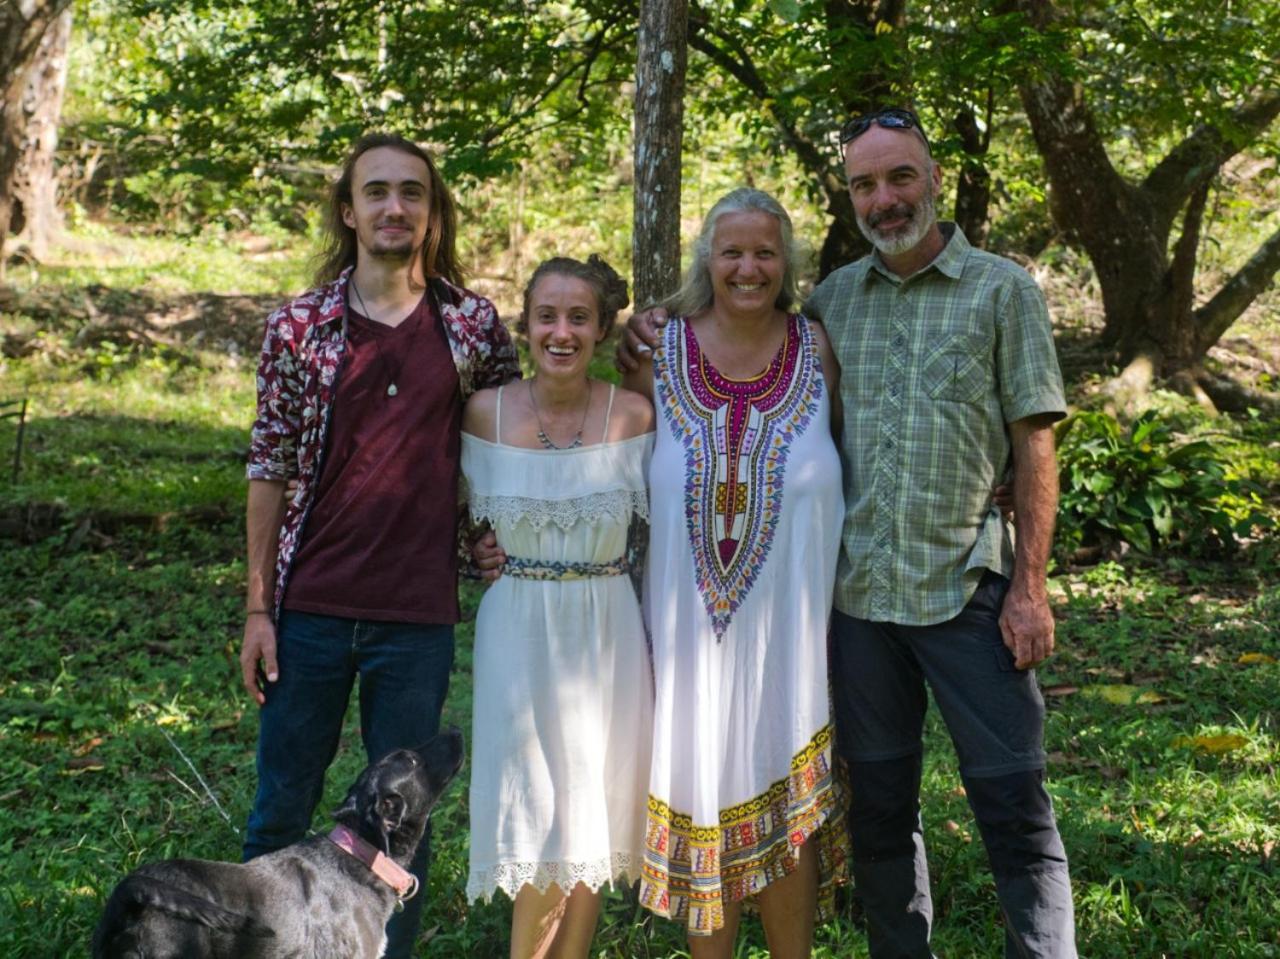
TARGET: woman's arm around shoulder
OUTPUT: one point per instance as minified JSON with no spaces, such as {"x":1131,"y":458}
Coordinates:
{"x":479,"y":416}
{"x":830,"y":373}
{"x":632,"y":416}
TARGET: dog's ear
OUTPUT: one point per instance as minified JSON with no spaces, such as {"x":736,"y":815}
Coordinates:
{"x":391,"y":809}
{"x":373,"y":808}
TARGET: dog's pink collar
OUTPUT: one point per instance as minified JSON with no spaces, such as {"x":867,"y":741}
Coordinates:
{"x":401,"y":880}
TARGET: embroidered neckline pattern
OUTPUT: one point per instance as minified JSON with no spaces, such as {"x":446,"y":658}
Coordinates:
{"x":736,"y":436}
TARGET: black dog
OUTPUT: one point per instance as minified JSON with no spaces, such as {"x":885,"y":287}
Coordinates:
{"x":328,"y":897}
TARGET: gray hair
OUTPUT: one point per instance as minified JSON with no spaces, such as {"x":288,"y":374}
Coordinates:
{"x":695,"y":291}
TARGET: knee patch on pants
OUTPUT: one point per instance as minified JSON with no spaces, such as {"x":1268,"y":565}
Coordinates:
{"x":884,"y":809}
{"x":1015,"y":817}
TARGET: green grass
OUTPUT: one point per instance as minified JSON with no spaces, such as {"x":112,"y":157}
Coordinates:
{"x":97,"y":254}
{"x":119,"y":650}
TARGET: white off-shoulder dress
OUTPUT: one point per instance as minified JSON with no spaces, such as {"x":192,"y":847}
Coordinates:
{"x":563,"y":692}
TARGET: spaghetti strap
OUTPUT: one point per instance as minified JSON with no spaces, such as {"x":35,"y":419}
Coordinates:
{"x":497,"y":426}
{"x":607,"y":413}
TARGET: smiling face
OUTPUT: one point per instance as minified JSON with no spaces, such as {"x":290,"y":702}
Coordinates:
{"x":893,"y":185}
{"x":747,"y":261}
{"x":390,"y":203}
{"x":564,"y":325}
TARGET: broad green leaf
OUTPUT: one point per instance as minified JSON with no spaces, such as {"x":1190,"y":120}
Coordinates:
{"x":786,"y":10}
{"x":1100,"y":482}
{"x":1142,"y":429}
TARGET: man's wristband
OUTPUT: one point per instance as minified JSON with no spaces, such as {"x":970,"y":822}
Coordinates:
{"x":257,"y":612}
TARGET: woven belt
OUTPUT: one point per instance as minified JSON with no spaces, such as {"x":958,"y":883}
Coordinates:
{"x":546,"y":570}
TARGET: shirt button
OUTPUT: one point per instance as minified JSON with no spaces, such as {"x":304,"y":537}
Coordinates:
{"x":899,"y":341}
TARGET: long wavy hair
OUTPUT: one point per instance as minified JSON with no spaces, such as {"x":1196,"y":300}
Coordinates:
{"x":439,"y":251}
{"x":695,"y":291}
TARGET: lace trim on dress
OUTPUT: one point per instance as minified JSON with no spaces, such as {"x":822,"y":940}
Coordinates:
{"x":616,"y":504}
{"x":511,"y":876}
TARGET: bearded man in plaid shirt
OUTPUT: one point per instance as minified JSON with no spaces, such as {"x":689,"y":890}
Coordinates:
{"x":949,"y":377}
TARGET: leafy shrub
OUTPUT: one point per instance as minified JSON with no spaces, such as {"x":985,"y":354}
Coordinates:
{"x":1145,"y":486}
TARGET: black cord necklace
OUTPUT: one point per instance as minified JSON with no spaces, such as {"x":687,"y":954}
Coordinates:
{"x":392,"y":376}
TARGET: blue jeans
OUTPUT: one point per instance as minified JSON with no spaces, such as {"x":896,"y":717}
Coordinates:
{"x":403,"y":670}
{"x":995,"y":715}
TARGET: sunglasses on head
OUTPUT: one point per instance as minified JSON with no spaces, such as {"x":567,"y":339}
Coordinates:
{"x":892,"y":119}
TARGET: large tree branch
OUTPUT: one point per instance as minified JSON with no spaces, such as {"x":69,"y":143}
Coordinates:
{"x":1182,"y":268}
{"x":593,"y":47}
{"x":736,"y":61}
{"x":1213,"y":319}
{"x":1087,"y":190}
{"x":1195,"y":160}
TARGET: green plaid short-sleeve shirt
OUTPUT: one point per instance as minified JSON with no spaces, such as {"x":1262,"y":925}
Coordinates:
{"x":934,"y":367}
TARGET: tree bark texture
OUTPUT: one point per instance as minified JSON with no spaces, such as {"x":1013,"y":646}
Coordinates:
{"x":23,"y":26}
{"x":35,"y":209}
{"x":1125,"y":227}
{"x":661,"y":53}
{"x":973,"y":182}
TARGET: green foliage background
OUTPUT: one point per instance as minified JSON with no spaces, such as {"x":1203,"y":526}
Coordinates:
{"x":198,"y":139}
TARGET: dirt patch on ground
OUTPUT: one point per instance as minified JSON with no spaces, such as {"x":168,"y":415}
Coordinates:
{"x":95,"y":314}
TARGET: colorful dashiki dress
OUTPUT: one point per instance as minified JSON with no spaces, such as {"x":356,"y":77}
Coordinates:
{"x":746,"y":512}
{"x":563,"y":697}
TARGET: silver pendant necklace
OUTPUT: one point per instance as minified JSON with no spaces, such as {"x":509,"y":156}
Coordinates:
{"x":543,"y":438}
{"x":392,"y":389}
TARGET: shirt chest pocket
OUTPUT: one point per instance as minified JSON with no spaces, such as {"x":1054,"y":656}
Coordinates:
{"x":958,"y":369}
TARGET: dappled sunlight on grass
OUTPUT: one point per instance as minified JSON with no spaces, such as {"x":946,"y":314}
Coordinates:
{"x":213,"y":262}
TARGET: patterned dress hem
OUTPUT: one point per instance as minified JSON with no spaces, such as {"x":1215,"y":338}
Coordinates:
{"x":690,"y":872}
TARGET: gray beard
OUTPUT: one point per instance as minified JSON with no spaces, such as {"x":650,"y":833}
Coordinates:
{"x":922,"y":220}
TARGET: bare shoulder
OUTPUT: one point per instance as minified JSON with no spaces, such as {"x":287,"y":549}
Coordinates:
{"x":479,"y":416}
{"x":632,"y":415}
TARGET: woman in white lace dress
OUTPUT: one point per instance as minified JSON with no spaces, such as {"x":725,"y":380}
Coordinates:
{"x":563,"y":691}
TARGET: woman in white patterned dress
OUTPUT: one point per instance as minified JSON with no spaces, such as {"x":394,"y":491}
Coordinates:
{"x":563,"y":689}
{"x":746,"y":514}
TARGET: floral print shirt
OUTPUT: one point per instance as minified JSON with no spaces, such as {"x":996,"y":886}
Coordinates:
{"x":298,"y":373}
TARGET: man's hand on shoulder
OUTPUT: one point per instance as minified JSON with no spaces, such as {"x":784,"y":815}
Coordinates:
{"x":639,"y":336}
{"x":258,"y":656}
{"x":1026,"y":623}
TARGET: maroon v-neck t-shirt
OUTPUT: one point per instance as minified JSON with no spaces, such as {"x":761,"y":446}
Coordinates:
{"x":380,"y":542}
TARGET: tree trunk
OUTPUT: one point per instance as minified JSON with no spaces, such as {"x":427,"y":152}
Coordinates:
{"x":973,"y":185}
{"x":659,"y":118}
{"x":23,"y":26}
{"x":35,"y":208}
{"x":1125,"y":227}
{"x":871,"y":87}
